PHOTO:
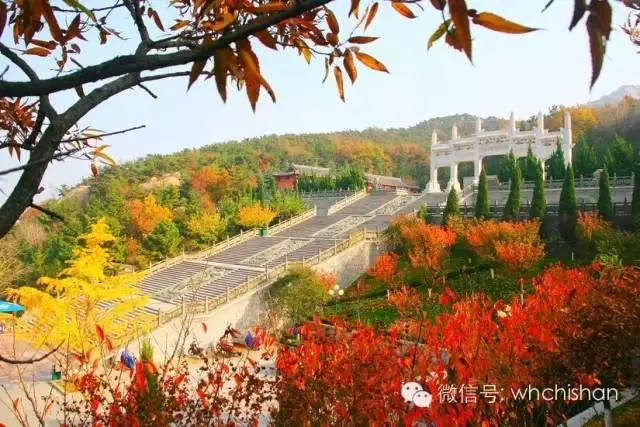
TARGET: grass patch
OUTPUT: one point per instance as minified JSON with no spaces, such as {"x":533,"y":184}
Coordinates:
{"x":627,"y":415}
{"x":500,"y":287}
{"x":378,"y":312}
{"x":373,"y":312}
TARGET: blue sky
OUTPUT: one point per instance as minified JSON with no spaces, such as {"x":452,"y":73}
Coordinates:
{"x":523,"y":73}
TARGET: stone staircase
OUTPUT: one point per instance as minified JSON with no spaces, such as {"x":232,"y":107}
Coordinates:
{"x":312,"y":226}
{"x":236,"y":254}
{"x":155,"y":283}
{"x":324,"y":204}
{"x":368,"y":204}
{"x":220,"y":287}
{"x":209,"y":280}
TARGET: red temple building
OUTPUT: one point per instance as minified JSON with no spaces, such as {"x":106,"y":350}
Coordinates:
{"x":287,"y":180}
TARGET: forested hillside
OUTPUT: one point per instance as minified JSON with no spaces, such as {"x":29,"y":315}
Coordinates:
{"x":162,"y":204}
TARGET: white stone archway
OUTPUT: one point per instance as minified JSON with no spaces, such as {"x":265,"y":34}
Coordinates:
{"x":482,"y":144}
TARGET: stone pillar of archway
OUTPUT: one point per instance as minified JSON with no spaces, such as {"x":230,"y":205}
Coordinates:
{"x":545,"y":166}
{"x":567,"y":139}
{"x":477,"y":161}
{"x":453,"y":178}
{"x":434,"y":185}
{"x":477,"y":169}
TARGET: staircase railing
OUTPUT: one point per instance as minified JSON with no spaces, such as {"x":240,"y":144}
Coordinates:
{"x":242,"y":237}
{"x":271,"y":274}
{"x":346,"y":201}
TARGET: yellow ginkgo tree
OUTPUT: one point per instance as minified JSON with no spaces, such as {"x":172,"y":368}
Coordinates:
{"x":255,"y":215}
{"x":83,"y":305}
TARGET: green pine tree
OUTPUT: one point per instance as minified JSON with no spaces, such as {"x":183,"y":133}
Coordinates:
{"x":556,"y":163}
{"x":261,"y":191}
{"x":452,"y":207}
{"x":568,"y":208}
{"x":512,"y":207}
{"x":538,"y":207}
{"x":605,"y":205}
{"x":619,"y":158}
{"x":163,"y":241}
{"x":482,"y":198}
{"x":151,"y":399}
{"x":530,"y":167}
{"x":584,"y":159}
{"x":508,"y":164}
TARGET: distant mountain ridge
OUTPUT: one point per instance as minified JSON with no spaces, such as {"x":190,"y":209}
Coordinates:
{"x":420,"y":133}
{"x":406,"y":149}
{"x":616,"y":96}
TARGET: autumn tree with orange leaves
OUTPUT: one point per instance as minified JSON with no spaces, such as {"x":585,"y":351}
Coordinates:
{"x":514,"y":245}
{"x":592,"y":232}
{"x":146,"y":214}
{"x":385,"y":269}
{"x":429,"y":245}
{"x":207,"y":40}
{"x":406,"y":300}
{"x":211,"y":185}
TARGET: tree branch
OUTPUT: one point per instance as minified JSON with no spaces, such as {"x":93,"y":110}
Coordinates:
{"x":146,"y":89}
{"x":134,"y":11}
{"x":175,"y":42}
{"x":45,"y":105}
{"x":67,"y":153}
{"x":29,"y":361}
{"x":37,"y":127}
{"x":135,"y":64}
{"x":30,"y":164}
{"x":168,"y":76}
{"x":47,"y":212}
{"x":21,"y":63}
{"x":98,"y":9}
{"x":86,"y":138}
{"x":27,"y":186}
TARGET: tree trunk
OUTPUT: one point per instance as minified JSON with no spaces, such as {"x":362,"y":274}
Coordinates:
{"x":29,"y":183}
{"x":27,"y":187}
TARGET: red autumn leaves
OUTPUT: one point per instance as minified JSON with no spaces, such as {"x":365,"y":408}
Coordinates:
{"x":355,"y":375}
{"x":579,"y":326}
